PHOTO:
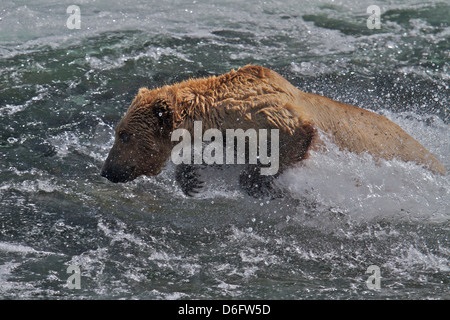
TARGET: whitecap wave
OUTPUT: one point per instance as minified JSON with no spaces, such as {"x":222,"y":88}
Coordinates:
{"x":363,"y":188}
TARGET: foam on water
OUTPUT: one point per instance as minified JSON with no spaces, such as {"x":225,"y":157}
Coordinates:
{"x":364,"y":189}
{"x":17,"y":248}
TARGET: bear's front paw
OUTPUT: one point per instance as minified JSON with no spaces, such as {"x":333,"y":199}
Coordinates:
{"x":257,"y":185}
{"x":188,"y":179}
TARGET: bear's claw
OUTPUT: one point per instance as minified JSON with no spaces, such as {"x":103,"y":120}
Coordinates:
{"x":257,"y":185}
{"x":188,"y":179}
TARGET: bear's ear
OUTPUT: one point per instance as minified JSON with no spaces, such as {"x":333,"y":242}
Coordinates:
{"x":142,"y":92}
{"x":164,"y":115}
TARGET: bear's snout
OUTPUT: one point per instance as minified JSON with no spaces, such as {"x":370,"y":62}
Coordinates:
{"x":116,"y":174}
{"x":118,"y":167}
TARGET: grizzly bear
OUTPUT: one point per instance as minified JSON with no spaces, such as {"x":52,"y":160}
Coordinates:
{"x":251,"y":97}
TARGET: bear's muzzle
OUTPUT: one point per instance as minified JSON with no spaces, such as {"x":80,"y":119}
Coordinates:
{"x":117,"y":174}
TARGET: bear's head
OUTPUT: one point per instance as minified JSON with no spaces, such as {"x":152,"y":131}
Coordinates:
{"x":142,"y":139}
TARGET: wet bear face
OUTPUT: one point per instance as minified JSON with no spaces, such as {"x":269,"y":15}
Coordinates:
{"x":142,"y":140}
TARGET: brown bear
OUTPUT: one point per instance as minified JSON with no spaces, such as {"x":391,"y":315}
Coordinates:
{"x":251,"y":97}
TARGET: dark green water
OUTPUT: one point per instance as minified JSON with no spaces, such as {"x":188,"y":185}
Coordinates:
{"x":62,"y":92}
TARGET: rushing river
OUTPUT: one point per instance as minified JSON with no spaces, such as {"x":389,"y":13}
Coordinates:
{"x":63,"y":90}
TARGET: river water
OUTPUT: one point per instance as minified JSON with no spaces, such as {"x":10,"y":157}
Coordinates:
{"x":63,"y":90}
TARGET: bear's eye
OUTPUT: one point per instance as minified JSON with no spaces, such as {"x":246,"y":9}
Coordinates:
{"x":124,"y":137}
